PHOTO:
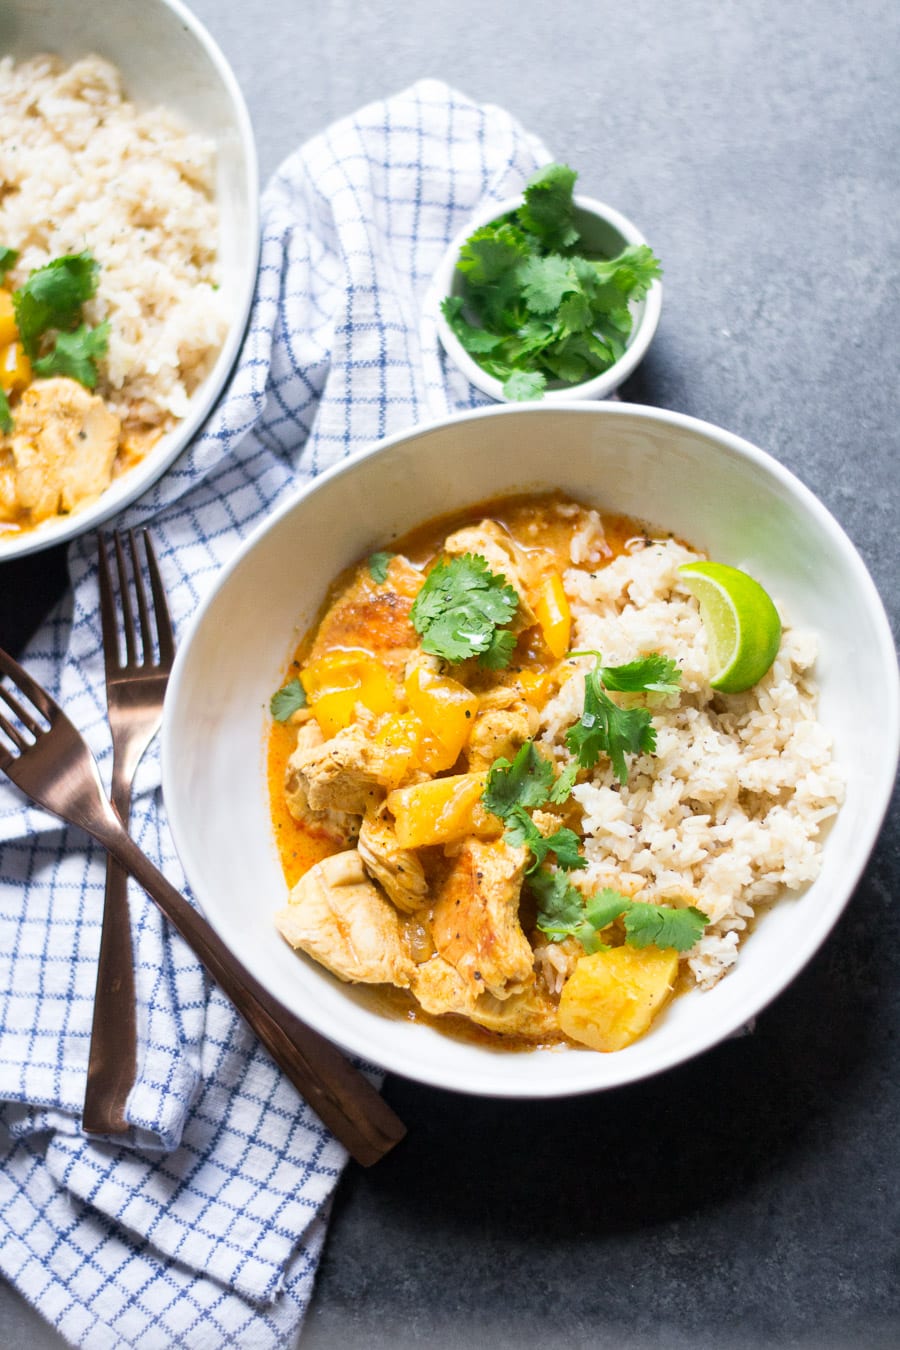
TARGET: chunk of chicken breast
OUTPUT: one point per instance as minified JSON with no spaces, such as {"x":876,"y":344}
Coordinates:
{"x":343,"y":921}
{"x":374,"y":617}
{"x":500,"y":731}
{"x":440,"y":989}
{"x":350,"y":772}
{"x":397,"y":870}
{"x":63,"y":445}
{"x":340,"y":826}
{"x":503,"y":555}
{"x":475,"y":922}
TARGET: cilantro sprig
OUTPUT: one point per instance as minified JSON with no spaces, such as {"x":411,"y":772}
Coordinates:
{"x":48,"y":318}
{"x":378,"y":566}
{"x":6,"y":417}
{"x":287,"y":700}
{"x":563,"y":912}
{"x":461,"y":611}
{"x":512,"y":789}
{"x":532,"y":308}
{"x":604,"y":727}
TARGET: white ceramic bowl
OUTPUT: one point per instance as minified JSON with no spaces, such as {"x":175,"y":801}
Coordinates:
{"x":603,"y":231}
{"x":706,"y":485}
{"x":166,"y":57}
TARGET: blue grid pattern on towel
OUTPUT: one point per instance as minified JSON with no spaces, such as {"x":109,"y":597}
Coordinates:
{"x":203,"y":1226}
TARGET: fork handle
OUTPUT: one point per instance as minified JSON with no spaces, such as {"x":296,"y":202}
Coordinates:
{"x":341,"y":1096}
{"x":113,"y":1055}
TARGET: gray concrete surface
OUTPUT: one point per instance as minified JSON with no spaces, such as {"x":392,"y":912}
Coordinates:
{"x":748,"y":1200}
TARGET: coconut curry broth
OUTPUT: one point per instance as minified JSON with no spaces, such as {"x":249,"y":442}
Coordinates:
{"x":555,"y":534}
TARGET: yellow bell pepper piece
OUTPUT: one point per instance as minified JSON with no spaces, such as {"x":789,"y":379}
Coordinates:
{"x":8,"y":330}
{"x":446,"y":709}
{"x":554,"y":616}
{"x":442,"y":811}
{"x":15,"y":368}
{"x":339,"y":680}
{"x":611,"y":997}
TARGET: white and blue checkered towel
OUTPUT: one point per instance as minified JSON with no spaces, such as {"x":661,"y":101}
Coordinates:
{"x":203,"y":1226}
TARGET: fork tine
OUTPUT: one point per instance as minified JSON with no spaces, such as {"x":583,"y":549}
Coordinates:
{"x":23,"y":714}
{"x":125,"y":599}
{"x":141,"y":596}
{"x":164,"y":633}
{"x":107,"y":609}
{"x":18,"y":740}
{"x":37,"y":696}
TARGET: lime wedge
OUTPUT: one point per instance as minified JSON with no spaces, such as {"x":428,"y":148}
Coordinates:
{"x":742,"y":626}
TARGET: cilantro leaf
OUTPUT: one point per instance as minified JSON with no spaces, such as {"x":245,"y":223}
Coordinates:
{"x":545,"y":281}
{"x":459,"y":608}
{"x":526,"y":782}
{"x":491,"y":251}
{"x":76,"y":354}
{"x":287,"y":700}
{"x":662,"y":926}
{"x":561,"y":910}
{"x":564,"y":913}
{"x":548,"y":210}
{"x":522,"y":831}
{"x":8,"y":258}
{"x":654,"y":673}
{"x":378,"y":566}
{"x":524,"y":384}
{"x":604,"y":727}
{"x":6,"y":421}
{"x":562,"y":788}
{"x":476,"y":341}
{"x":52,"y":297}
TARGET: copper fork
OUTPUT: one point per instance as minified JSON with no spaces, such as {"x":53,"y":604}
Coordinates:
{"x":135,"y":689}
{"x":47,"y":758}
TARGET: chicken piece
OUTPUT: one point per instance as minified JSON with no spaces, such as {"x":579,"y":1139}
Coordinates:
{"x":64,"y":445}
{"x":502,"y":554}
{"x":500,"y":731}
{"x":397,"y":870}
{"x":374,"y":617}
{"x":440,"y":989}
{"x":343,"y":921}
{"x":475,"y":922}
{"x":349,"y":773}
{"x":339,"y":826}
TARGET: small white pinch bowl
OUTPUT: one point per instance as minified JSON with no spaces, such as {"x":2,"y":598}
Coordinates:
{"x":166,"y":58}
{"x":705,"y":484}
{"x":605,"y":232}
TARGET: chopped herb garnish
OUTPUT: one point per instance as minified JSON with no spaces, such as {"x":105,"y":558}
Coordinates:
{"x":532,"y":308}
{"x":378,"y":566}
{"x":76,"y":354}
{"x":604,"y":727}
{"x":563,"y":912}
{"x":526,"y":782}
{"x":52,"y":297}
{"x":6,"y":421}
{"x":8,"y":259}
{"x":461,"y":610}
{"x":287,"y":700}
{"x":512,"y":789}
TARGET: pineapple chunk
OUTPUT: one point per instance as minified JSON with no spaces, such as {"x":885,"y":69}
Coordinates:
{"x":442,"y":811}
{"x":611,"y":997}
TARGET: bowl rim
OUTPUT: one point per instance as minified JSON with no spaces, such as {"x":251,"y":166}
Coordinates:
{"x":881,"y":788}
{"x":599,"y":386}
{"x":126,"y":489}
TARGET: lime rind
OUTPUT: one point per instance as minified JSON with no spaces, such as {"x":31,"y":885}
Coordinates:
{"x":742,"y":625}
